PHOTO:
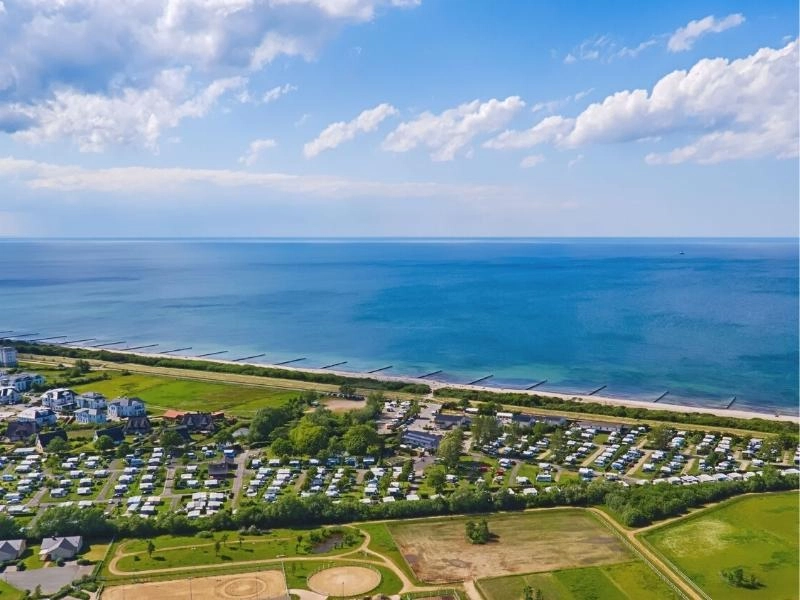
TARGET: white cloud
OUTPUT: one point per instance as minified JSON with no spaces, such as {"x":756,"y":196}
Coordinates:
{"x":751,"y":102}
{"x":626,"y":52}
{"x":275,"y":44}
{"x":278,"y":91}
{"x":154,"y":182}
{"x":448,"y":132}
{"x":338,"y":133}
{"x":577,"y":160}
{"x":129,"y":116}
{"x":553,"y":105}
{"x":531,"y":161}
{"x":254,"y":150}
{"x":685,"y":37}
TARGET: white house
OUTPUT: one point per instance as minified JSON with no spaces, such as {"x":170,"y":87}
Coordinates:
{"x":59,"y":399}
{"x":8,"y":356}
{"x":21,"y":382}
{"x":9,"y":395}
{"x":11,"y":549}
{"x":60,"y":548}
{"x":41,"y":416}
{"x":90,"y":416}
{"x":122,"y":408}
{"x":91,"y":400}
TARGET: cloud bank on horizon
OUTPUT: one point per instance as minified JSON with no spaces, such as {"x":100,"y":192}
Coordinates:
{"x":349,"y":101}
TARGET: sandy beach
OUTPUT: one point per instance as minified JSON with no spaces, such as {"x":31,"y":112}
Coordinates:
{"x":608,"y":400}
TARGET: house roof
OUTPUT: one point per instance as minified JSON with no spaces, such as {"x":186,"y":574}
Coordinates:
{"x":138,"y":425}
{"x":173,"y":414}
{"x":18,"y":430}
{"x":71,"y":544}
{"x":116,"y":433}
{"x":45,"y":437}
{"x":222,"y":468}
{"x":125,"y":401}
{"x":197,"y":420}
{"x":11,"y":546}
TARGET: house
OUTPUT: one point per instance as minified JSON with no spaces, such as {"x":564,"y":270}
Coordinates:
{"x":41,"y":416}
{"x":526,"y":420}
{"x":20,"y":431}
{"x":60,"y":548}
{"x":11,"y":549}
{"x":124,"y":407}
{"x":603,"y":427}
{"x":429,"y":441}
{"x":60,"y":400}
{"x":138,"y":426}
{"x":222,"y":469}
{"x":451,"y":421}
{"x":9,"y":395}
{"x":198,"y":422}
{"x":91,"y":400}
{"x":8,"y":356}
{"x":45,"y":437}
{"x":90,"y":416}
{"x":116,"y":433}
{"x":22,"y":382}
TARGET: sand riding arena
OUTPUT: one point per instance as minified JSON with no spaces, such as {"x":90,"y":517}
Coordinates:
{"x":344,"y":581}
{"x":263,"y":585}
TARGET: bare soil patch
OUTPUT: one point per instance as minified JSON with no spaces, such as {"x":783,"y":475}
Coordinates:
{"x":438,"y":551}
{"x":263,"y":585}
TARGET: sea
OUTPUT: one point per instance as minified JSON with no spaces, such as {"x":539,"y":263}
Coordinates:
{"x":706,"y":320}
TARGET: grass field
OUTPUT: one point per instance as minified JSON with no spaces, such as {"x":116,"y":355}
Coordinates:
{"x":756,"y":533}
{"x":162,"y":393}
{"x":8,"y":592}
{"x":381,"y":542}
{"x":631,"y":580}
{"x":438,"y":551}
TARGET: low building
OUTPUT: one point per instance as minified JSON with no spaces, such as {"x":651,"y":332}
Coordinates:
{"x":116,"y":433}
{"x":60,"y":400}
{"x":11,"y":549}
{"x":44,"y":438}
{"x":123,"y":408}
{"x":222,"y":469}
{"x":60,"y":548}
{"x":603,"y":426}
{"x":8,"y":356}
{"x":9,"y":395}
{"x":138,"y":426}
{"x":444,"y":421}
{"x":90,"y":416}
{"x":41,"y":416}
{"x":198,"y":422}
{"x":21,"y":431}
{"x":429,"y":441}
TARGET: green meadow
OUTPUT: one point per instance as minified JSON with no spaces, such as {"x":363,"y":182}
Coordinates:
{"x":162,"y":393}
{"x":758,"y":534}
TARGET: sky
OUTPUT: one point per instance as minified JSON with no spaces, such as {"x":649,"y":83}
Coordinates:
{"x":349,"y":118}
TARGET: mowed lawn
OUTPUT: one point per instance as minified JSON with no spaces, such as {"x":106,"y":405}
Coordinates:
{"x":625,"y":581}
{"x":8,"y":592}
{"x":438,"y":551}
{"x":757,"y":533}
{"x":162,"y":393}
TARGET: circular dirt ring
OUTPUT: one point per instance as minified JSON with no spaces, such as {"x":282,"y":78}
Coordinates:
{"x":244,"y":587}
{"x":344,"y":581}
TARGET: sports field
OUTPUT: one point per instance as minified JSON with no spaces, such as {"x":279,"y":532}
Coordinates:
{"x":756,"y":533}
{"x":438,"y":551}
{"x":162,"y":393}
{"x":631,"y":580}
{"x":263,"y":585}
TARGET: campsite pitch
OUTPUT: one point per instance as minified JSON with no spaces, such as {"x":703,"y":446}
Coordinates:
{"x":438,"y":550}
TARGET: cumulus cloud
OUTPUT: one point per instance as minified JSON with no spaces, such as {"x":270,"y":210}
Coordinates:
{"x":278,"y":91}
{"x":338,"y":133}
{"x":685,"y":37}
{"x":531,"y":161}
{"x":155,"y":181}
{"x":450,"y":131}
{"x":55,"y":52}
{"x":254,"y":150}
{"x":129,"y":116}
{"x":750,"y":102}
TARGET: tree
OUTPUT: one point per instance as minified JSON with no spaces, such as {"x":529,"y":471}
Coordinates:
{"x":151,"y":547}
{"x":477,"y":533}
{"x":266,"y":421}
{"x":436,"y":478}
{"x":659,"y":437}
{"x":217,"y":546}
{"x":123,"y":449}
{"x":450,"y":448}
{"x":527,"y":593}
{"x":241,"y":540}
{"x":359,"y":438}
{"x":171,"y":439}
{"x":57,"y":446}
{"x":83,"y":366}
{"x":347,"y":389}
{"x":485,"y":429}
{"x":103,"y":443}
{"x":282,"y":447}
{"x":308,"y":438}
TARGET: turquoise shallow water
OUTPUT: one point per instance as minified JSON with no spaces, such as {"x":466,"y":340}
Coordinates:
{"x":704,"y":319}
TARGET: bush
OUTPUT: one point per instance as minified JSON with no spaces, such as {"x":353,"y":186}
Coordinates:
{"x":206,"y":535}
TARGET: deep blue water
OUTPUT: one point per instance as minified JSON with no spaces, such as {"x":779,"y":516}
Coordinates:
{"x":719,"y":320}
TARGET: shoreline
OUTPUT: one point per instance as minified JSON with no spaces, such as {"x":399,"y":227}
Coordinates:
{"x":434,"y":385}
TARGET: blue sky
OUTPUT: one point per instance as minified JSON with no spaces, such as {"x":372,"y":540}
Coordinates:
{"x":398,"y":118}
